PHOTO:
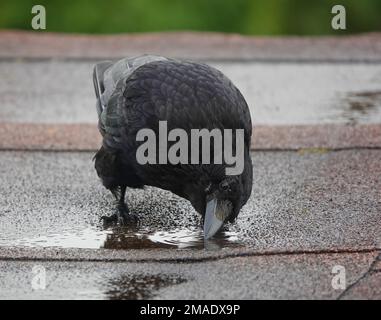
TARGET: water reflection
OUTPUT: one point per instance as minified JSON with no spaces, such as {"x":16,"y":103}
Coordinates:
{"x":127,"y":238}
{"x":361,"y":105}
{"x":132,"y":287}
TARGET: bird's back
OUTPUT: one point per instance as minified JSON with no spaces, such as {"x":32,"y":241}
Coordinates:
{"x":134,"y":95}
{"x":107,"y":76}
{"x":187,"y":95}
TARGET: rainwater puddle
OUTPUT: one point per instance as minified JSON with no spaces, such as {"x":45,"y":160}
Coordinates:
{"x":135,"y":287}
{"x":124,"y":238}
{"x":360,"y":106}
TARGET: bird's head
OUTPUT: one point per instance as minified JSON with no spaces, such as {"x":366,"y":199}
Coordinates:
{"x":222,"y":204}
{"x":220,"y":200}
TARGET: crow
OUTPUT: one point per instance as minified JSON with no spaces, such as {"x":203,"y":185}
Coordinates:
{"x":137,"y":93}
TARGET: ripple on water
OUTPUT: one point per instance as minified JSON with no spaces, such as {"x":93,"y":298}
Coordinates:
{"x":127,"y":238}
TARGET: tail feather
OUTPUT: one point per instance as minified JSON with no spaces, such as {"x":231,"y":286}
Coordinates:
{"x":98,"y":78}
{"x":109,"y":83}
{"x":113,"y":171}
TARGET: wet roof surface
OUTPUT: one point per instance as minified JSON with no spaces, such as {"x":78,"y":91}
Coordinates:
{"x":279,"y":93}
{"x":312,"y":209}
{"x":263,"y":277}
{"x":300,"y":201}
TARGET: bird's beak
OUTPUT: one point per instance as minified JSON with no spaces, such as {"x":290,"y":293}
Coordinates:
{"x":216,"y":213}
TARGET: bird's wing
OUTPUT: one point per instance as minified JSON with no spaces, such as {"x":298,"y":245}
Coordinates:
{"x":188,"y":95}
{"x":109,"y":83}
{"x":98,"y":79}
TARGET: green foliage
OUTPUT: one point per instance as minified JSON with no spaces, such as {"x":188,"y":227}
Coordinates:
{"x":264,"y":17}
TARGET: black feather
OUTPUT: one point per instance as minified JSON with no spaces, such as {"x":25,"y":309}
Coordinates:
{"x":187,"y":95}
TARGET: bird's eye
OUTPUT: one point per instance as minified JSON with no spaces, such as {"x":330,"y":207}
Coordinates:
{"x":224,"y":186}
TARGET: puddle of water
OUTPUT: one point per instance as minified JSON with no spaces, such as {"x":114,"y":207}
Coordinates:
{"x":124,"y":238}
{"x":361,"y":105}
{"x":89,"y":238}
{"x":139,"y":286}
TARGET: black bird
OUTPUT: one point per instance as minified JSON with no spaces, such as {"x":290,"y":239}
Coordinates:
{"x":137,"y":93}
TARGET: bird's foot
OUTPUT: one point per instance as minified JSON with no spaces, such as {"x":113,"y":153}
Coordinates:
{"x":122,"y":217}
{"x":132,"y":219}
{"x":107,"y":221}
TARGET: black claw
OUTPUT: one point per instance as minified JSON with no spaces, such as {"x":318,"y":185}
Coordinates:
{"x":133,"y":218}
{"x":107,"y":221}
{"x":120,"y":218}
{"x":128,"y":219}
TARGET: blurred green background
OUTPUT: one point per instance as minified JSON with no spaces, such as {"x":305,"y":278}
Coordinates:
{"x":261,"y":17}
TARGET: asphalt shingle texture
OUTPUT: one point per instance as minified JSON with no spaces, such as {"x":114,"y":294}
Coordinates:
{"x":281,"y":93}
{"x":300,"y":201}
{"x":316,"y":200}
{"x":266,"y":277}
